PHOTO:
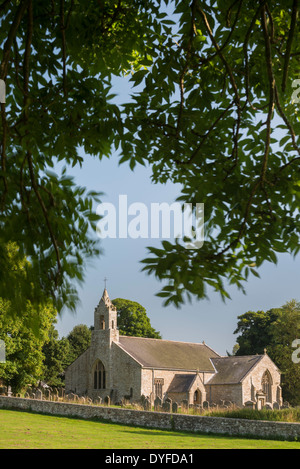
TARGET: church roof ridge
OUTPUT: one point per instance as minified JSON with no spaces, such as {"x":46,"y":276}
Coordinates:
{"x":175,"y":342}
{"x":242,"y":356}
{"x":167,"y":340}
{"x":167,"y":354}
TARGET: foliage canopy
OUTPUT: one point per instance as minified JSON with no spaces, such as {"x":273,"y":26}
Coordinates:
{"x":274,"y":330}
{"x":212,"y":109}
{"x":133,"y":319}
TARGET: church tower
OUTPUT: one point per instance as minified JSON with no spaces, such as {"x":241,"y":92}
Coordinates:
{"x":105,"y":333}
{"x":105,"y":320}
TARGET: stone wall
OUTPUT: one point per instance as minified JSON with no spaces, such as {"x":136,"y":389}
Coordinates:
{"x":77,"y":374}
{"x":130,"y":384}
{"x":252,"y":382}
{"x":230,"y":392}
{"x":168,"y":421}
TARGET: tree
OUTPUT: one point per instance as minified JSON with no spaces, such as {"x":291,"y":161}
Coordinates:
{"x":214,"y":109}
{"x":256,"y":331}
{"x":60,"y":353}
{"x":274,"y":330}
{"x":285,"y":330}
{"x":133,"y":319}
{"x":218,"y":114}
{"x":79,"y":340}
{"x":56,"y":358}
{"x":57,"y":60}
{"x":24,"y":338}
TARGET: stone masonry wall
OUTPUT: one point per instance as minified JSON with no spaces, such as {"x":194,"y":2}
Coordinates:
{"x":77,"y":374}
{"x":253,"y":380}
{"x":227,"y":392}
{"x":129,"y":382}
{"x":168,"y":421}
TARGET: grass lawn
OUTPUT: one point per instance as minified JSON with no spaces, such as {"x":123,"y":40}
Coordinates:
{"x":24,"y":430}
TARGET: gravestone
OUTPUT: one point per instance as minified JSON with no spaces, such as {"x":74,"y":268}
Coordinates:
{"x":167,"y":405}
{"x":185,"y":405}
{"x":197,"y":408}
{"x":157,"y":403}
{"x":39,"y":394}
{"x":147,"y":404}
{"x":54,"y":396}
{"x":107,"y":400}
{"x":268,"y":406}
{"x":228,"y":403}
{"x":249,"y":405}
{"x":174,"y":407}
{"x":142,"y":399}
{"x":72,"y":397}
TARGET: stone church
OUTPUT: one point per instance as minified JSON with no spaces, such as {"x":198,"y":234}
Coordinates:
{"x":129,"y":367}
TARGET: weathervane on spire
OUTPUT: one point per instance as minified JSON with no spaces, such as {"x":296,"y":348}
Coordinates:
{"x":105,"y":280}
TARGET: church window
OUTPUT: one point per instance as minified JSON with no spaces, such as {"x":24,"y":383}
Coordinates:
{"x":99,"y":375}
{"x":266,"y":384}
{"x":158,"y":385}
{"x":102,"y":322}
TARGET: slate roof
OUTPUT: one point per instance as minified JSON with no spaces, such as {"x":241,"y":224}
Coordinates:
{"x":167,"y":354}
{"x":181,"y":383}
{"x":232,"y":370}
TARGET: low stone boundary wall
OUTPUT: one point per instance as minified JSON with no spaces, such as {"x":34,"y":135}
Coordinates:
{"x":167,"y":421}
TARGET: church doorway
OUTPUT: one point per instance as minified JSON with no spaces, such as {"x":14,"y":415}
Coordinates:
{"x":197,"y":397}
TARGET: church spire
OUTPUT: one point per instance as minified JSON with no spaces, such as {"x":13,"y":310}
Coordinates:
{"x":106,"y":300}
{"x":105,"y":315}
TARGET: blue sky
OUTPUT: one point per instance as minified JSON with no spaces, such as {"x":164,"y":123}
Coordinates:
{"x":210,"y":320}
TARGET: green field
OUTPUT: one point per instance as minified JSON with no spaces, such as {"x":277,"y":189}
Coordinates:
{"x":24,"y":430}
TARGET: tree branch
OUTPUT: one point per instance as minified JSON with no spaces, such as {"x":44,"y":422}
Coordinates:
{"x":211,"y":128}
{"x":271,"y":78}
{"x":289,"y":44}
{"x":10,"y":38}
{"x":4,"y":4}
{"x":185,"y":68}
{"x":45,"y":213}
{"x":245,"y":49}
{"x":63,"y":35}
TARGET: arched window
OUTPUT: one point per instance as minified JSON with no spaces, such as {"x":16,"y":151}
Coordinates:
{"x":99,"y":375}
{"x":102,"y":322}
{"x":266,"y":385}
{"x":158,"y":385}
